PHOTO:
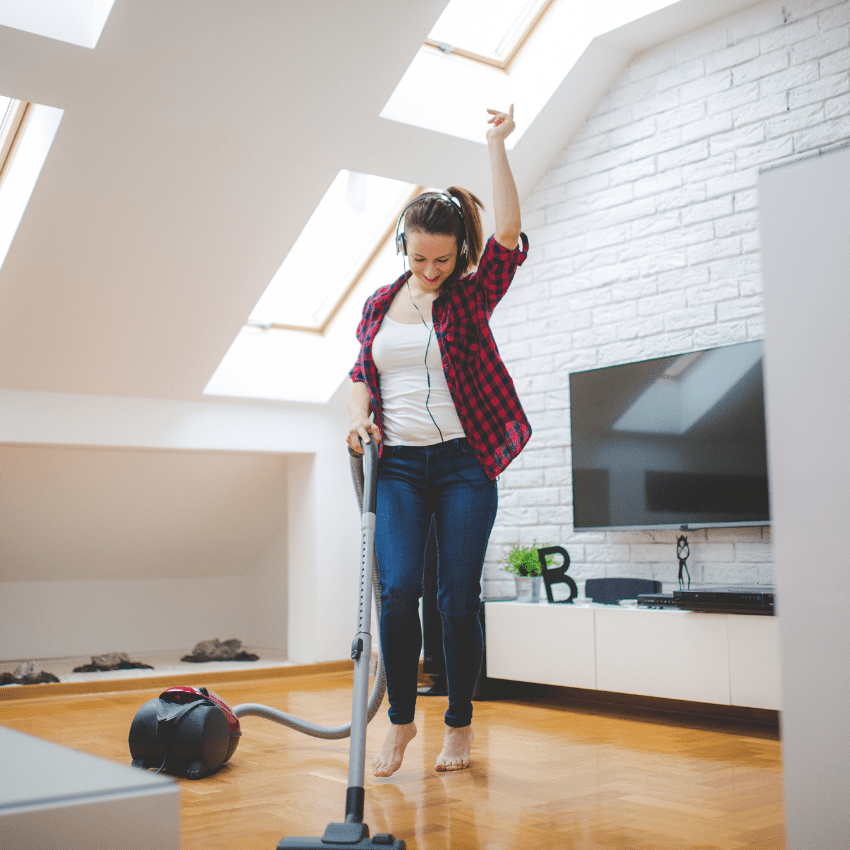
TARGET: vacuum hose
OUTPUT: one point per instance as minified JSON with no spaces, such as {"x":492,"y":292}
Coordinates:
{"x":379,"y":688}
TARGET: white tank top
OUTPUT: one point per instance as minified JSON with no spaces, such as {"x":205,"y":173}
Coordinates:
{"x":398,"y":351}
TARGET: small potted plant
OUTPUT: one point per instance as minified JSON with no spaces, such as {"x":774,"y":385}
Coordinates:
{"x":524,"y":563}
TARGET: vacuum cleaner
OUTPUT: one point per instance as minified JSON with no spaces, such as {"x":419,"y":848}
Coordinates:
{"x":189,"y":732}
{"x":183,"y":732}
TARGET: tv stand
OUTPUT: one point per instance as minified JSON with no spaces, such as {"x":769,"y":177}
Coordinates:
{"x":727,"y":659}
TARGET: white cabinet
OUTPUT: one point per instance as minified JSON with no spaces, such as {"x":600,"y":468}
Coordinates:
{"x":537,"y":643}
{"x":673,"y":654}
{"x":754,"y":677}
{"x":727,"y":659}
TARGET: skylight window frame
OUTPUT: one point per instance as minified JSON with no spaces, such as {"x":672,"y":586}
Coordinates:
{"x":387,"y":236}
{"x":11,"y":132}
{"x":523,"y":33}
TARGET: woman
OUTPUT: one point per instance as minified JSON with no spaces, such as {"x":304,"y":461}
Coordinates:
{"x":430,"y":385}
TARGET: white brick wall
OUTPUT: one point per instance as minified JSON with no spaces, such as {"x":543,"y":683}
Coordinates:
{"x":644,"y":241}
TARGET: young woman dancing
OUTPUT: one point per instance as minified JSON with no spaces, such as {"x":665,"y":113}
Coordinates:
{"x":430,"y":386}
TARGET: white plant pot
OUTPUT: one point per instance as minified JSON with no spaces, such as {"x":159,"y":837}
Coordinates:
{"x":528,"y":588}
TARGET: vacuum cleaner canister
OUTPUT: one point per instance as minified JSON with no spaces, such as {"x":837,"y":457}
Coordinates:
{"x":187,"y":731}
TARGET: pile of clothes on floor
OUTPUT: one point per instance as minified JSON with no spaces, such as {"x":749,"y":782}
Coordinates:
{"x":216,"y":650}
{"x":111,"y":661}
{"x":30,"y":672}
{"x":27,"y":673}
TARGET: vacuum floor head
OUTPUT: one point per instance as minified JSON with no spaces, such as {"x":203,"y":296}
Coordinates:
{"x":352,"y":836}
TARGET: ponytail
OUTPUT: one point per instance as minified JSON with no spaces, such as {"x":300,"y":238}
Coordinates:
{"x":471,"y":207}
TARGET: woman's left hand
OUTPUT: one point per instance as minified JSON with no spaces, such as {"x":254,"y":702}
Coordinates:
{"x":502,"y":123}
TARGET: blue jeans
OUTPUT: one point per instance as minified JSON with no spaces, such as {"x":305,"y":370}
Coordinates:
{"x":414,"y":483}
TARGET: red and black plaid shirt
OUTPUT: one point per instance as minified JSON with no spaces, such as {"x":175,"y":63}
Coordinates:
{"x":481,"y":388}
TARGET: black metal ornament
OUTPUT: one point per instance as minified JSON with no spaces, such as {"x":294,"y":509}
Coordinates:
{"x":682,"y":552}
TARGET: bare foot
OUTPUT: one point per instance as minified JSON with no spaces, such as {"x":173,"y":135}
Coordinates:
{"x":390,"y":756}
{"x":457,"y":745}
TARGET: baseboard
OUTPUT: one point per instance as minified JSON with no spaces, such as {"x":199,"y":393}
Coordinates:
{"x":606,"y":702}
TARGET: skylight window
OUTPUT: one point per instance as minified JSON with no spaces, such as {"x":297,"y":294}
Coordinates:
{"x":358,"y":210}
{"x":493,"y":53}
{"x":13,"y":115}
{"x":487,"y":30}
{"x":299,"y":340}
{"x":77,"y":22}
{"x":26,"y":133}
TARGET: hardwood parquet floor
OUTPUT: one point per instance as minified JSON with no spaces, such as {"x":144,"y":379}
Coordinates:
{"x":544,"y":776}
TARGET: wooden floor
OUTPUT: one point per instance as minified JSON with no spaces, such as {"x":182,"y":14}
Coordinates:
{"x":544,"y":776}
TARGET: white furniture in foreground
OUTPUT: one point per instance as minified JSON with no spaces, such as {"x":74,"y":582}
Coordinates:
{"x":728,"y":659}
{"x":53,"y":796}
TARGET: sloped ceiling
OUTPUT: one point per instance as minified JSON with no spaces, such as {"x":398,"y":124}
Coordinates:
{"x":197,"y":138}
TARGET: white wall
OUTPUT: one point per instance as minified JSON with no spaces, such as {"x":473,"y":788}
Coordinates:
{"x":105,"y":513}
{"x":644,"y":242}
{"x":144,"y":525}
{"x":83,"y":617}
{"x":806,"y":222}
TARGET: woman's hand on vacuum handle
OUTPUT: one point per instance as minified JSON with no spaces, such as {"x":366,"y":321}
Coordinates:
{"x":362,"y":429}
{"x":363,"y":426}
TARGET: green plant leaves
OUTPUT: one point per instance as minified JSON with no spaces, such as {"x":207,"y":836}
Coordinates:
{"x":523,"y":560}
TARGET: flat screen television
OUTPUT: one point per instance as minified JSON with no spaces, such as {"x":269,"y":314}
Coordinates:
{"x":671,"y":442}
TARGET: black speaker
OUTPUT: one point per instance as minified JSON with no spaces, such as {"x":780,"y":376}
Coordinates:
{"x":609,"y":591}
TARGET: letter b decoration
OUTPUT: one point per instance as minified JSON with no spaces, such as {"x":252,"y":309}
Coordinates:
{"x":558,"y":575}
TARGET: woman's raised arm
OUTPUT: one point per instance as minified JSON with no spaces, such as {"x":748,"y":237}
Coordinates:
{"x":505,"y":197}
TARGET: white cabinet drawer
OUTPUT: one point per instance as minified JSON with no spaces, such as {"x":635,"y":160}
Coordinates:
{"x":673,"y":654}
{"x":547,"y":644}
{"x":754,"y":661}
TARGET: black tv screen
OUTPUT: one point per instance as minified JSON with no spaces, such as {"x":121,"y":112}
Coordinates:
{"x":671,"y":442}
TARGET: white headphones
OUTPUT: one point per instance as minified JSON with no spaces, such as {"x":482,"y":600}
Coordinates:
{"x":453,"y":202}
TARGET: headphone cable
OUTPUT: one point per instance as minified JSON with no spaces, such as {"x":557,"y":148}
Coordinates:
{"x":427,"y":347}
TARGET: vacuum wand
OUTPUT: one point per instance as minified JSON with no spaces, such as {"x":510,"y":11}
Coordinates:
{"x":361,"y":648}
{"x":353,"y":833}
